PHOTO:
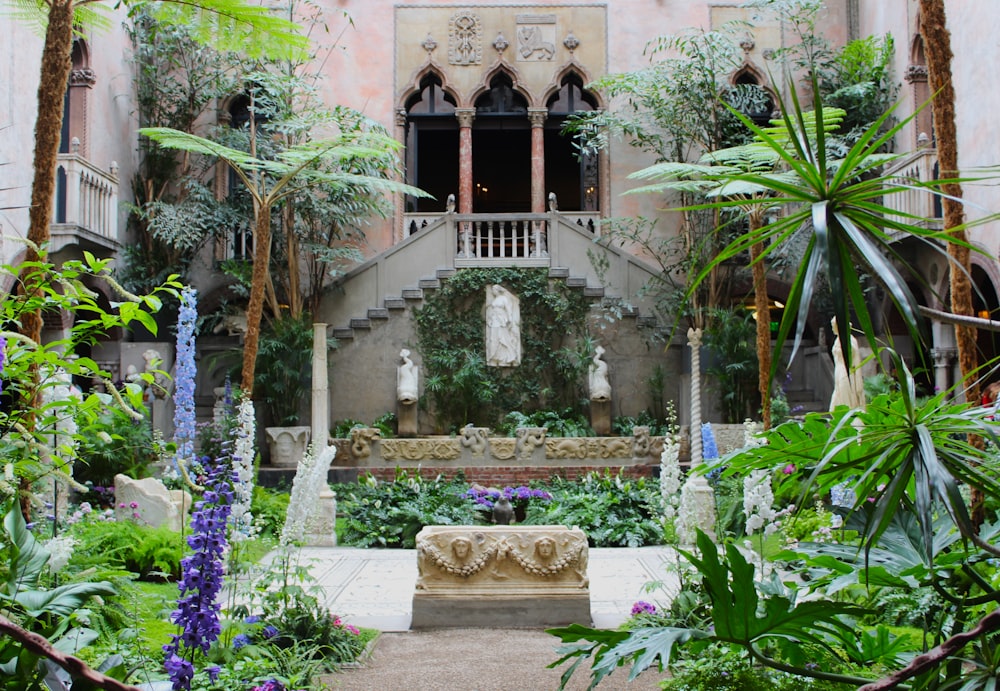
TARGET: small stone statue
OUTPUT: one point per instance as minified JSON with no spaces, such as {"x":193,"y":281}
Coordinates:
{"x":600,"y":387}
{"x":503,"y":512}
{"x":407,"y":379}
{"x":503,"y":328}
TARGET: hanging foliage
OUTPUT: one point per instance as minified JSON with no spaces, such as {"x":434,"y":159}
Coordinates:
{"x":461,"y":388}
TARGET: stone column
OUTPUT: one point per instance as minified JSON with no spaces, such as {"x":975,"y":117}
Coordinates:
{"x":465,"y":117}
{"x":537,"y":117}
{"x":399,"y":199}
{"x":320,"y":389}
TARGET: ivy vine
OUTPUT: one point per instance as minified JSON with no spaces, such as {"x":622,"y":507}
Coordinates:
{"x":460,"y":388}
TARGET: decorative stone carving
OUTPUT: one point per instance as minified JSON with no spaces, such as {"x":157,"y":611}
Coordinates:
{"x":915,"y":73}
{"x":429,"y":44}
{"x":420,"y":449}
{"x":84,"y":76}
{"x":503,"y":448}
{"x":287,"y":444}
{"x":747,"y":43}
{"x":503,"y":327}
{"x":475,"y":439}
{"x":154,"y":504}
{"x":407,"y":379}
{"x":566,"y":447}
{"x":501,"y":576}
{"x":848,"y":387}
{"x":641,"y":442}
{"x":528,"y":439}
{"x":536,"y":37}
{"x":152,"y":365}
{"x":500,"y":43}
{"x":465,"y":43}
{"x":613,"y":447}
{"x":571,"y":42}
{"x":600,"y":387}
{"x":233,"y":324}
{"x":361,"y":441}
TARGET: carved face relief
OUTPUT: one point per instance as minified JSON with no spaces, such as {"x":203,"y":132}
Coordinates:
{"x":461,"y":547}
{"x":545,"y":547}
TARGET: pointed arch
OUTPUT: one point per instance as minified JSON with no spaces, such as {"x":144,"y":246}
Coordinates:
{"x":430,"y":73}
{"x":573,"y":73}
{"x":500,"y":70}
{"x":749,"y":75}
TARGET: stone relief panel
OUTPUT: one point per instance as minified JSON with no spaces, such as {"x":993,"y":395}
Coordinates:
{"x":503,"y":448}
{"x":527,"y":440}
{"x":420,"y":449}
{"x":536,"y":37}
{"x":361,"y":441}
{"x":474,"y":439}
{"x":465,"y":39}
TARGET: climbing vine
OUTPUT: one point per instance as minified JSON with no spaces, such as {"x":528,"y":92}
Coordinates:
{"x":461,"y":388}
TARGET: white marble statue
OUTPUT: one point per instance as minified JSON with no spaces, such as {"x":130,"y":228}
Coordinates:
{"x":407,"y":379}
{"x":503,"y":328}
{"x":848,"y":386}
{"x":600,"y":386}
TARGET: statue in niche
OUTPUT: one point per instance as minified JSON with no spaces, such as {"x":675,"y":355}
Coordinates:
{"x":407,"y":379}
{"x":503,"y":328}
{"x":600,"y":387}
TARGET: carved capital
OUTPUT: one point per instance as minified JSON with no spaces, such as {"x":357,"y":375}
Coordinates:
{"x":401,"y":117}
{"x":82,"y":77}
{"x":943,"y":357}
{"x":465,"y":116}
{"x":538,"y":116}
{"x":694,"y":338}
{"x":915,"y":74}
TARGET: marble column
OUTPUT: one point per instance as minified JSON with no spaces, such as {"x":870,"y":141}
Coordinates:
{"x":537,"y":117}
{"x":465,"y":117}
{"x":320,"y":389}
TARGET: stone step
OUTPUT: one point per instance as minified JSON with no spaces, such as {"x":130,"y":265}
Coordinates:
{"x":576,"y":282}
{"x":378,"y":313}
{"x":343,"y":333}
{"x":361,"y":323}
{"x":413,"y":294}
{"x":445,"y":273}
{"x":429,"y":283}
{"x":394,"y":303}
{"x":593,"y":291}
{"x":558,"y":272}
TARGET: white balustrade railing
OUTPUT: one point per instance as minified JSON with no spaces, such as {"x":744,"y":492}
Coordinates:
{"x":87,"y":197}
{"x":918,"y":167}
{"x":501,"y":236}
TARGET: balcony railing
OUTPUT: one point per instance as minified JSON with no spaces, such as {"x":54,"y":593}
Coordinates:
{"x":86,"y":204}
{"x":918,"y":167}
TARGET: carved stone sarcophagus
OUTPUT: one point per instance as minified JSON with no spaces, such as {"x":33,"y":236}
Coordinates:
{"x":501,"y":576}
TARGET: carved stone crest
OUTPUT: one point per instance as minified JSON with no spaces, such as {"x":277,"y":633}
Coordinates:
{"x":536,"y":37}
{"x":465,"y":39}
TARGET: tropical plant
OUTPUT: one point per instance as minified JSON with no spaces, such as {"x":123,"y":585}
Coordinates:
{"x":29,"y":601}
{"x":115,"y":442}
{"x":734,"y":365}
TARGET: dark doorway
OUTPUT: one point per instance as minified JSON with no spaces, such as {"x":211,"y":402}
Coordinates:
{"x":436,"y":157}
{"x":501,"y":169}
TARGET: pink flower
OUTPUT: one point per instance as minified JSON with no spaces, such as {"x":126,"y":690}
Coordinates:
{"x":788,"y":469}
{"x":133,"y":505}
{"x":353,"y":629}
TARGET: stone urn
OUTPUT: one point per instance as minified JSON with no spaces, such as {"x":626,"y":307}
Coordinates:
{"x":287,"y":444}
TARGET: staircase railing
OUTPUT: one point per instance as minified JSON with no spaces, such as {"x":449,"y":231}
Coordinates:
{"x":86,"y":202}
{"x":918,"y":167}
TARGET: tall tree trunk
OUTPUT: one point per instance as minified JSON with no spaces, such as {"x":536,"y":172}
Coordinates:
{"x":54,"y":77}
{"x":258,"y":281}
{"x":937,"y":49}
{"x":292,"y":248}
{"x":763,"y":310}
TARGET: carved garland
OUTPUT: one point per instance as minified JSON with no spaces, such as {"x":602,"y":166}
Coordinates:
{"x":539,"y":569}
{"x":445,"y":564}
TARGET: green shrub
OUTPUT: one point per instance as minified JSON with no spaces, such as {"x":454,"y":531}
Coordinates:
{"x":612,"y":510}
{"x":390,"y":514}
{"x":564,"y":423}
{"x":114,"y":443}
{"x":269,"y":509}
{"x":720,"y":669}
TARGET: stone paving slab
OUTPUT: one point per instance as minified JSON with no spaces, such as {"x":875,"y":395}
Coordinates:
{"x":374,"y":587}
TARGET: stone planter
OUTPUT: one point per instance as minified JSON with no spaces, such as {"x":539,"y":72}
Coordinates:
{"x":287,"y":445}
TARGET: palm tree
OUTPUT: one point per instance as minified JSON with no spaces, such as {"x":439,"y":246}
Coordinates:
{"x":322,"y":163}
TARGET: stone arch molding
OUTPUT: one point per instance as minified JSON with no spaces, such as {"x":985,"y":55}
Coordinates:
{"x":501,"y":67}
{"x":428,"y":69}
{"x":568,"y":69}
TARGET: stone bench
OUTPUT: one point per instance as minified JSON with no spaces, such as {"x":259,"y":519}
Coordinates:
{"x":501,"y":577}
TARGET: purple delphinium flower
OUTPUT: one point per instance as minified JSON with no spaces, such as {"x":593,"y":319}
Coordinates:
{"x":709,"y":450}
{"x":184,"y":416}
{"x":269,"y":632}
{"x":240,"y":640}
{"x":202,"y":572}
